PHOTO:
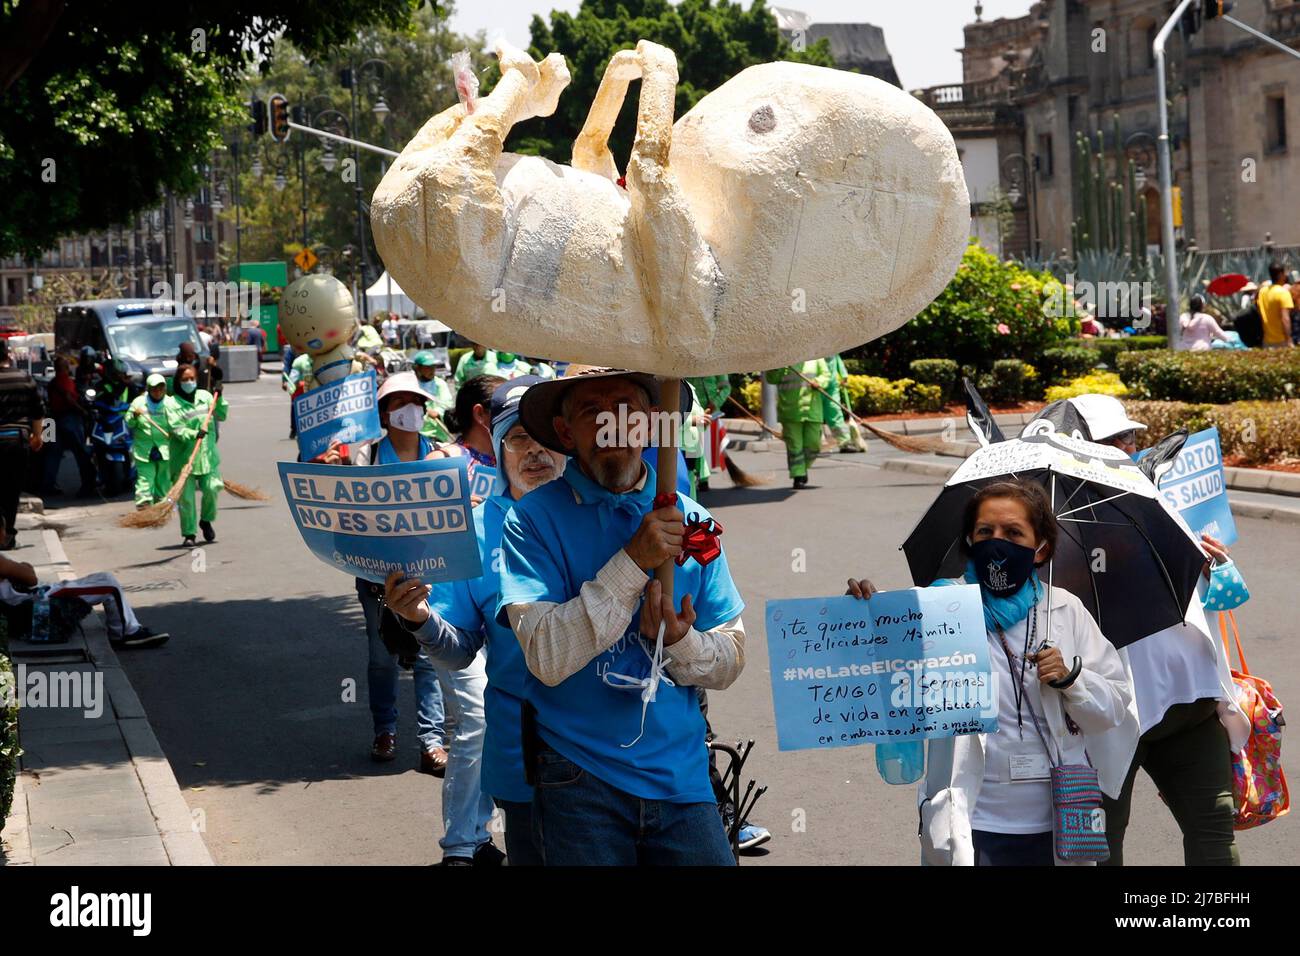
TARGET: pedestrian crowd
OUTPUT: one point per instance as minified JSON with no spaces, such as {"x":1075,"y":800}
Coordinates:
{"x":565,"y":688}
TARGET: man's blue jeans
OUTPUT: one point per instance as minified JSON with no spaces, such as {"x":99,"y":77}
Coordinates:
{"x":579,"y":820}
{"x":520,"y":848}
{"x":381,"y":682}
{"x":466,"y":809}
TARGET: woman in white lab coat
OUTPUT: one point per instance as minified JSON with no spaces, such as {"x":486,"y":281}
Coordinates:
{"x":986,"y":799}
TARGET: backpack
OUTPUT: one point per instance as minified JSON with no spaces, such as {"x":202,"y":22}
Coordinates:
{"x":1259,"y":790}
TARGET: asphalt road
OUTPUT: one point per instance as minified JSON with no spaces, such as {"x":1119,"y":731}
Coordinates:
{"x":247,"y":697}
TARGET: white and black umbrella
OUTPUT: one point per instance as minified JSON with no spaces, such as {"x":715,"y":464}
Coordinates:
{"x":1131,"y":561}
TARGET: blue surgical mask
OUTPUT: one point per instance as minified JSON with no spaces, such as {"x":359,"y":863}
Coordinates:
{"x":189,"y":387}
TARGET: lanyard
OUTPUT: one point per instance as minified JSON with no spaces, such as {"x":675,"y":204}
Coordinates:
{"x":1018,"y":691}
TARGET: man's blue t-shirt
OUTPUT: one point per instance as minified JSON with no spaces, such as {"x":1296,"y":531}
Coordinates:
{"x":651,"y":457}
{"x":471,"y":606}
{"x":555,"y":540}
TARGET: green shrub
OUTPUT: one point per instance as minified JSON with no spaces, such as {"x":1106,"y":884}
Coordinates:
{"x":1011,"y":380}
{"x":872,"y":395}
{"x":989,"y":310}
{"x":1216,"y":377}
{"x":1109,"y":349}
{"x":9,"y":749}
{"x":1260,"y":432}
{"x":1096,"y":383}
{"x":1067,"y":362}
{"x":941,"y":372}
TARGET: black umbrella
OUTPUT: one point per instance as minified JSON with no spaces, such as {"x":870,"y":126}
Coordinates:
{"x":1131,"y":562}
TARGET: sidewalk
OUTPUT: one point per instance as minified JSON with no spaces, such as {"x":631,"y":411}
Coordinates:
{"x":1260,"y":493}
{"x":94,"y":787}
{"x":1270,"y":506}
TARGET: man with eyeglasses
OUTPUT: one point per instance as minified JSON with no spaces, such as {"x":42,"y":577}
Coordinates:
{"x":458,"y":620}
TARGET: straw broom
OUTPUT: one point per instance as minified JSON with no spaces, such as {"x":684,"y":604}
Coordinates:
{"x":919,"y":445}
{"x":157,"y":515}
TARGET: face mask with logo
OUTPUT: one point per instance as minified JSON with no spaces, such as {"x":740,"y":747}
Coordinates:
{"x":1002,"y":566}
{"x":408,"y":418}
{"x":188,"y":387}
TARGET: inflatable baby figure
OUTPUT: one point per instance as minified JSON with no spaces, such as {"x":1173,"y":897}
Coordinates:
{"x":318,"y":316}
{"x":794,"y":211}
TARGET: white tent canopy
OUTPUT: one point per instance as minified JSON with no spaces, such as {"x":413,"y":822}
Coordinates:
{"x":386,"y":295}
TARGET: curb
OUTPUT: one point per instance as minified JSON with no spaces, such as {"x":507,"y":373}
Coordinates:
{"x":182,"y":844}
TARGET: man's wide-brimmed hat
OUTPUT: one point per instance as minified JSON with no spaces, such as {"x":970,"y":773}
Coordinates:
{"x":541,"y":403}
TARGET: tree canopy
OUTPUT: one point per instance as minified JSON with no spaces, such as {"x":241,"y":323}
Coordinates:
{"x":101,"y":112}
{"x":713,"y":42}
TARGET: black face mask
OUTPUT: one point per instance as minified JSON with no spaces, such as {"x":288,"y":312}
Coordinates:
{"x":1001,"y":565}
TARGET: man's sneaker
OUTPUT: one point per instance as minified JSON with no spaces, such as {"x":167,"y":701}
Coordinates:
{"x":487,"y":854}
{"x":209,"y":535}
{"x":144,"y":637}
{"x":752,"y":836}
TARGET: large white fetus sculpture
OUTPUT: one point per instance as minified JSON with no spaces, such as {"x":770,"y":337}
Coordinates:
{"x":795,"y":211}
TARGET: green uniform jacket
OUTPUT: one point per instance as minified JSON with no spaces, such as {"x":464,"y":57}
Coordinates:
{"x":150,"y":431}
{"x":469,"y":367}
{"x":712,"y":390}
{"x":796,"y":400}
{"x":440,"y":398}
{"x":208,"y":459}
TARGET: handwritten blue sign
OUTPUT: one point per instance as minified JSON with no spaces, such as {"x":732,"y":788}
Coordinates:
{"x":904,"y":665}
{"x":344,"y":410}
{"x":1195,"y":487}
{"x":482,"y":480}
{"x":412,"y":517}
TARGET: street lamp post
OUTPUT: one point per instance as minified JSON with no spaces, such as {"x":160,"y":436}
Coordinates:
{"x":349,"y":77}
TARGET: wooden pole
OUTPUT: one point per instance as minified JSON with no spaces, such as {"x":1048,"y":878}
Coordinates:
{"x":670,"y":403}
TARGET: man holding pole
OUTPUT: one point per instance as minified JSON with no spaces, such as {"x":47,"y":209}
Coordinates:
{"x":613,"y":734}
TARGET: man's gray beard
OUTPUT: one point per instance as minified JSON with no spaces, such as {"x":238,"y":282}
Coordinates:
{"x":517,"y":480}
{"x":611,"y":474}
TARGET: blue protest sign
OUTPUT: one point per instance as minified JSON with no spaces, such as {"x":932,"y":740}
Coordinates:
{"x":905,"y":665}
{"x":1195,"y":487}
{"x":344,"y":410}
{"x":412,"y":517}
{"x":482,"y":480}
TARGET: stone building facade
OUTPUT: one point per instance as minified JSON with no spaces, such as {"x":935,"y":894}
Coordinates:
{"x":1032,"y":83}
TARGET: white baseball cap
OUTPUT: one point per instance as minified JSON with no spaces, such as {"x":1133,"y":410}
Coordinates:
{"x":1104,"y":415}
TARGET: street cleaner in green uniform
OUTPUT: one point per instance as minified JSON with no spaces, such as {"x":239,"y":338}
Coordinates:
{"x":799,"y":410}
{"x":193,"y":404}
{"x":152,"y":418}
{"x":440,"y":398}
{"x":833,"y":408}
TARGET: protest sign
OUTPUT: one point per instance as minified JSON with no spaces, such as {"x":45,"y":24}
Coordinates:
{"x":412,"y":517}
{"x":482,"y":479}
{"x":905,"y":665}
{"x":344,"y":410}
{"x":1195,"y":487}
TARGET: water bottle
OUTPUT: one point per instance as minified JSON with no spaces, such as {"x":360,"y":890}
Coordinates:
{"x":902,"y":762}
{"x":41,"y":614}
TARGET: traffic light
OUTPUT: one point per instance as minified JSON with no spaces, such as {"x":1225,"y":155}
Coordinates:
{"x":279,"y":117}
{"x":257,"y":109}
{"x":1198,"y":14}
{"x":299,"y":115}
